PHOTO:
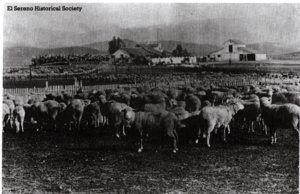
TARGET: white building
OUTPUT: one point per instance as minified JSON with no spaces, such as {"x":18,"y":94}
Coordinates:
{"x":128,"y":52}
{"x":235,"y":50}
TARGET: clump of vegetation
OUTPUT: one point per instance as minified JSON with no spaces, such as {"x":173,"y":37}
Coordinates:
{"x":115,"y":44}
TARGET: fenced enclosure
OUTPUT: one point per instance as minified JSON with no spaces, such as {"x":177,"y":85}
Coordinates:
{"x":153,"y":84}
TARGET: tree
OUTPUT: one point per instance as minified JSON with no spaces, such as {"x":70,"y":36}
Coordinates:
{"x":180,"y":52}
{"x":185,"y":53}
{"x":115,"y":44}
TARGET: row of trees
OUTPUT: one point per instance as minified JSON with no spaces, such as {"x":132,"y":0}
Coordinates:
{"x":180,"y":52}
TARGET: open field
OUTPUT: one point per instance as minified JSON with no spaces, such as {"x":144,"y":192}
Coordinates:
{"x":96,"y":162}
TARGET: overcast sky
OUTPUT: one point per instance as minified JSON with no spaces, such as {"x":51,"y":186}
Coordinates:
{"x":96,"y":16}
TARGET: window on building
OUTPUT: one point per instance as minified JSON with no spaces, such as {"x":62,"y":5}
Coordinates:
{"x":219,"y":56}
{"x":230,"y":48}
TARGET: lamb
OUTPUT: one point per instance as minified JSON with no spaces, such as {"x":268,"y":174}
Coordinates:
{"x":279,"y":116}
{"x":286,"y":97}
{"x":146,"y":122}
{"x":211,"y":118}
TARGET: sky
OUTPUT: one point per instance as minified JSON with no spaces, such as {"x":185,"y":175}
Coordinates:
{"x":97,"y":16}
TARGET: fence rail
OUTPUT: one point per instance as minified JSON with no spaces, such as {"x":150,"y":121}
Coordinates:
{"x":73,"y":88}
{"x":161,"y":84}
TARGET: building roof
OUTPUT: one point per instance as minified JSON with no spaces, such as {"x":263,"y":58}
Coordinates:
{"x":215,"y":51}
{"x":150,"y":43}
{"x":236,"y":41}
{"x":149,"y":49}
{"x":135,"y":51}
{"x":252,"y":51}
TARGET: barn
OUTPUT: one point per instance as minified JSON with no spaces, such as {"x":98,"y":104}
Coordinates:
{"x":235,"y":50}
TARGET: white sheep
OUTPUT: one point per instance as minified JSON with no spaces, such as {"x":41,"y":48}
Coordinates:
{"x":211,"y":118}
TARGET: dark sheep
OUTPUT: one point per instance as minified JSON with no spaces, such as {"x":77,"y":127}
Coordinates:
{"x":286,"y":97}
{"x":148,"y":123}
{"x":154,"y":107}
{"x":217,"y":97}
{"x":137,"y":101}
{"x":193,"y":103}
{"x":43,"y":112}
{"x":5,"y":115}
{"x":275,"y":116}
{"x":173,"y":93}
{"x":72,"y":113}
{"x":92,"y":115}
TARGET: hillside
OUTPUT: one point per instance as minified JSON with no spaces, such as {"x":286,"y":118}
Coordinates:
{"x":288,"y":56}
{"x":194,"y":49}
{"x":21,"y":56}
{"x":168,"y":45}
{"x":103,"y":46}
{"x":270,"y":48}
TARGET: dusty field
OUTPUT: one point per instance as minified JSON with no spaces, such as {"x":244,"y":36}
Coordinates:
{"x":95,"y":162}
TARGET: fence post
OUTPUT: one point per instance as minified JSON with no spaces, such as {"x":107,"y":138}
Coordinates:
{"x":46,"y":85}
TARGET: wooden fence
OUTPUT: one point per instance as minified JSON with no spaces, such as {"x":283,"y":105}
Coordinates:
{"x":73,"y":88}
{"x":187,"y":82}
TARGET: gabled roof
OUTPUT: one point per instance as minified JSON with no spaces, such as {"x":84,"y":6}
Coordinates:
{"x":252,"y":51}
{"x":148,"y":49}
{"x":236,"y":41}
{"x":135,"y":51}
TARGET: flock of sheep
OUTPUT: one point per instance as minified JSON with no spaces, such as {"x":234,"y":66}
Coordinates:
{"x":196,"y":111}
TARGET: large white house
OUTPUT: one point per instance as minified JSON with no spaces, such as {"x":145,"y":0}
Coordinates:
{"x":235,"y":50}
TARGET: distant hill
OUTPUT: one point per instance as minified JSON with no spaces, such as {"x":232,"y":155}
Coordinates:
{"x":270,"y":48}
{"x":168,"y":45}
{"x":288,"y":56}
{"x":103,"y":46}
{"x":21,"y":56}
{"x":194,"y":49}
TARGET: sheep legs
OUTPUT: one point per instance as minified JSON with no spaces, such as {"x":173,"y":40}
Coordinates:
{"x":174,"y":135}
{"x":273,"y":135}
{"x":250,"y":127}
{"x":224,"y":137}
{"x":141,"y":145}
{"x":210,"y":129}
{"x":199,"y":135}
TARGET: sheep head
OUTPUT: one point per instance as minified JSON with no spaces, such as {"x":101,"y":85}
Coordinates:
{"x":265,"y":101}
{"x":238,"y":106}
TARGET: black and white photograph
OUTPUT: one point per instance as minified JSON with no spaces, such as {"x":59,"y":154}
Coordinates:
{"x":163,"y":97}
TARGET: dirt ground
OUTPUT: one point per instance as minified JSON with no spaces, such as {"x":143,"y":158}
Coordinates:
{"x":96,"y":162}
